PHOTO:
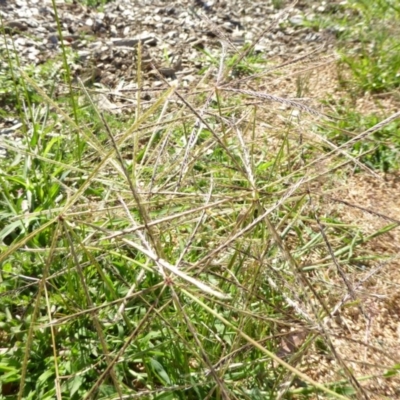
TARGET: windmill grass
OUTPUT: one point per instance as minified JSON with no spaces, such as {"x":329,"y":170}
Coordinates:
{"x":177,"y":252}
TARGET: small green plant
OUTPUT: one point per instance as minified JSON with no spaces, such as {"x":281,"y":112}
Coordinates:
{"x":278,"y":4}
{"x":369,"y":42}
{"x":240,"y":64}
{"x":95,"y":3}
{"x":376,"y":64}
{"x":380,"y":151}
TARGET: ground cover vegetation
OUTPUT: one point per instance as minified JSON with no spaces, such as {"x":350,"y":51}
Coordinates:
{"x":199,"y":247}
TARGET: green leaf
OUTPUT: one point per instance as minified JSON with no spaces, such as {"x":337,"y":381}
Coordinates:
{"x":10,"y":376}
{"x":392,"y":371}
{"x":75,"y":384}
{"x":7,"y":230}
{"x":45,"y":376}
{"x":159,"y":371}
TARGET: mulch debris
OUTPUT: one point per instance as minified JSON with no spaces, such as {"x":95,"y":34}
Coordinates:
{"x":177,"y":42}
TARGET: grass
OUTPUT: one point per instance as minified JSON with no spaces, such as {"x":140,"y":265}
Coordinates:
{"x":381,"y":151}
{"x":369,"y":45}
{"x":369,"y":64}
{"x":176,"y":254}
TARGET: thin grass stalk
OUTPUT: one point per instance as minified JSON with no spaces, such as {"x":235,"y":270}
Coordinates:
{"x":161,"y":151}
{"x":250,"y":48}
{"x":305,"y":280}
{"x":135,"y":138}
{"x":165,"y":265}
{"x":140,"y":326}
{"x":340,"y":271}
{"x":153,"y":135}
{"x":163,"y":220}
{"x":271,"y":355}
{"x":144,"y":215}
{"x":29,"y":339}
{"x":204,"y":356}
{"x":19,"y":105}
{"x":89,"y":139}
{"x":15,"y":246}
{"x":225,"y":394}
{"x":57,"y":379}
{"x":69,"y":236}
{"x":212,"y":131}
{"x":61,"y":321}
{"x":68,"y":79}
{"x":192,"y":140}
{"x":295,"y":267}
{"x":357,"y":138}
{"x":110,"y":153}
{"x":271,"y":97}
{"x":346,"y":155}
{"x":200,"y":222}
{"x":249,"y":227}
